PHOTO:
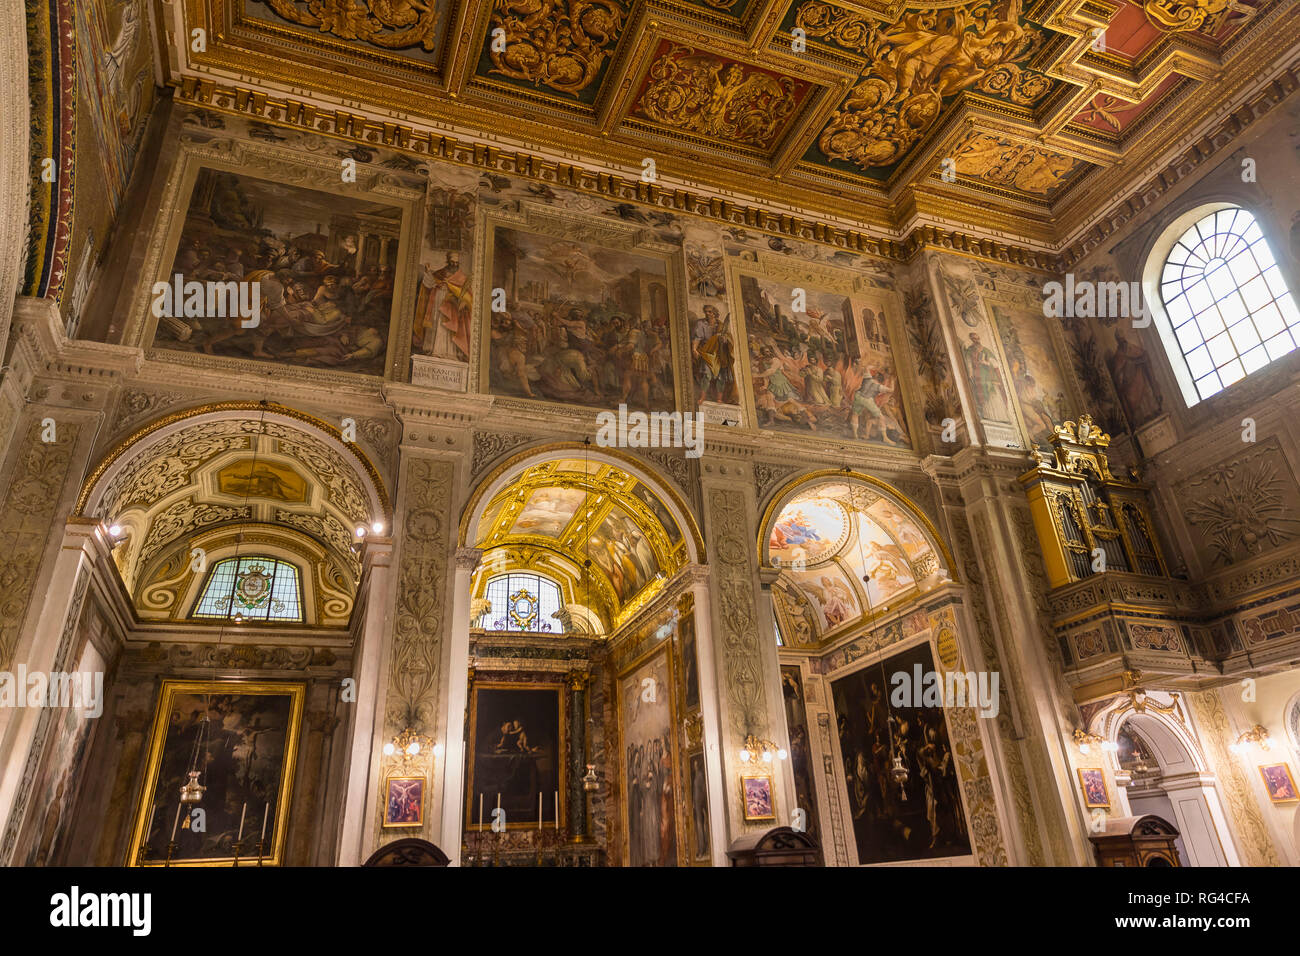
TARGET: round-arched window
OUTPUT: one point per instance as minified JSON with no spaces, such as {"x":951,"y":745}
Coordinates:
{"x":1229,"y":309}
{"x":522,"y":602}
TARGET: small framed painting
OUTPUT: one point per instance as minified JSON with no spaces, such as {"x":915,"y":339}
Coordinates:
{"x":756,"y":793}
{"x":1279,"y":783}
{"x":1093,"y":781}
{"x":404,"y":801}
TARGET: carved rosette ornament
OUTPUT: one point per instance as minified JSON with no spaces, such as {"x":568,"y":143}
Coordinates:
{"x":562,"y":46}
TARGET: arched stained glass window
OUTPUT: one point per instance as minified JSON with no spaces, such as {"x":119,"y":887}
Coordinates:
{"x":254,"y":588}
{"x":522,"y":602}
{"x":1228,"y":305}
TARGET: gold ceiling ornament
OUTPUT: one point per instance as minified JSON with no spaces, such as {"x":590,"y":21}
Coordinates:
{"x":1178,"y":16}
{"x":391,"y":24}
{"x":1020,"y":86}
{"x":913,"y":65}
{"x":563,"y":47}
{"x":699,"y":92}
{"x":1000,"y":162}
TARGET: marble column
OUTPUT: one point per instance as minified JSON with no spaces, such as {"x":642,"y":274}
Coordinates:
{"x":577,"y":757}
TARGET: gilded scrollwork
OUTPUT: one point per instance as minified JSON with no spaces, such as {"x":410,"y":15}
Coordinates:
{"x":391,"y":24}
{"x":698,"y":92}
{"x":562,"y":46}
{"x":913,"y":65}
{"x":1179,"y":16}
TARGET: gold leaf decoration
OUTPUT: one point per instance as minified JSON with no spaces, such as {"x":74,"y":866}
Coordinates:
{"x":1003,"y":163}
{"x":706,"y":94}
{"x":914,"y":64}
{"x":548,"y":44}
{"x":1179,"y":16}
{"x":391,"y":24}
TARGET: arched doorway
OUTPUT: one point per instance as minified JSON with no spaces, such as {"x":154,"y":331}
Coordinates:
{"x":862,"y":590}
{"x":581,"y":579}
{"x":1163,"y":772}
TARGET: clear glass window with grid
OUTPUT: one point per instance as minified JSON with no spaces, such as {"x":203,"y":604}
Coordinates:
{"x":254,"y":588}
{"x":1226,"y":299}
{"x":522,"y":602}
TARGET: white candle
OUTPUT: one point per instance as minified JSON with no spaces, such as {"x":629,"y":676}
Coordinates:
{"x":176,"y":822}
{"x":242,"y":811}
{"x":539,"y":811}
{"x":266,"y":812}
{"x":498,"y":801}
{"x":148,"y":827}
{"x":557,"y":809}
{"x":480,"y":811}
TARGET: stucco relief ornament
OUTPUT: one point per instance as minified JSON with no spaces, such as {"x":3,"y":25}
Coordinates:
{"x":392,"y":24}
{"x":549,"y":44}
{"x":914,"y":64}
{"x":1178,"y":16}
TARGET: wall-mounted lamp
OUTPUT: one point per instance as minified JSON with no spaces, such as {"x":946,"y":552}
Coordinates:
{"x":408,"y":745}
{"x":1087,"y":741}
{"x":761,"y":751}
{"x":1257,"y":735}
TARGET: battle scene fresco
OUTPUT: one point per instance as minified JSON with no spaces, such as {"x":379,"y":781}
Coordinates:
{"x":826,"y":368}
{"x":582,"y":323}
{"x":325,"y":266}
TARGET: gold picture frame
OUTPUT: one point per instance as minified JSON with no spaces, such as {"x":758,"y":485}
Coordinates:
{"x":757,"y":797}
{"x":151,"y":829}
{"x":1090,"y":778}
{"x":480,"y":819}
{"x":1280,"y":786}
{"x":403,"y":804}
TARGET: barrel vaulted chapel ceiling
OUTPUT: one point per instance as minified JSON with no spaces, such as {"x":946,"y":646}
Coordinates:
{"x":877,"y":109}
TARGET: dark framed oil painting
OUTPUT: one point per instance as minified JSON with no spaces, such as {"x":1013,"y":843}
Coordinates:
{"x":516,"y":760}
{"x":923,"y":818}
{"x":327,"y":267}
{"x":801,"y":758}
{"x":579,"y":322}
{"x":242,"y":737}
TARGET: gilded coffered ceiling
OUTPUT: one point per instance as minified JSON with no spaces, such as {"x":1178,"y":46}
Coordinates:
{"x":1002,"y":114}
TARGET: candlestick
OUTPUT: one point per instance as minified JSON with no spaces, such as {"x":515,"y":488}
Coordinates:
{"x":176,"y":822}
{"x":242,"y":811}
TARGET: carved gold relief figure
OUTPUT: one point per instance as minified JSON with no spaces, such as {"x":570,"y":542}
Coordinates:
{"x":702,"y":93}
{"x":1003,"y":163}
{"x":392,"y":24}
{"x":549,"y":44}
{"x":914,"y":64}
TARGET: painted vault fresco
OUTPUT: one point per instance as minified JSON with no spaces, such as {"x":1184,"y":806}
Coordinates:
{"x":325,"y":265}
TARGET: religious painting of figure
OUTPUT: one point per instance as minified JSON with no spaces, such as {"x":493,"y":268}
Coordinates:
{"x":1135,"y":380}
{"x":324,"y":265}
{"x":404,"y":801}
{"x":647,"y":761}
{"x":443,"y":311}
{"x":921,"y":818}
{"x":651,"y":501}
{"x":621,"y":550}
{"x":801,"y":761}
{"x":239,"y":742}
{"x":1279,"y":783}
{"x":690,"y":665}
{"x":1035,"y":373}
{"x":262,"y":479}
{"x":986,"y":380}
{"x":699,"y":807}
{"x":516,"y":737}
{"x":1093,"y":782}
{"x":756,"y":795}
{"x":579,"y":323}
{"x":713,"y":358}
{"x":821,"y":363}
